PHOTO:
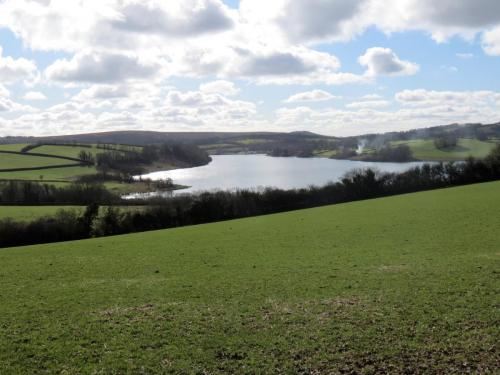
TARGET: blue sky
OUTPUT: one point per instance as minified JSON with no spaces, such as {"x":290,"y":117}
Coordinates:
{"x":334,"y":67}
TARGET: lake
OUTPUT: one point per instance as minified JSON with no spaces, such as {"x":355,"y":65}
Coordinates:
{"x":255,"y":171}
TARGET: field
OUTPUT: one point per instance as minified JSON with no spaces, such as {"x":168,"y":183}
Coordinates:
{"x":14,"y":147}
{"x":426,"y":150}
{"x":28,"y":213}
{"x":10,"y":161}
{"x":65,"y":174}
{"x":406,"y":284}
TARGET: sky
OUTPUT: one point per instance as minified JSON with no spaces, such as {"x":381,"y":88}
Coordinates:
{"x":334,"y":67}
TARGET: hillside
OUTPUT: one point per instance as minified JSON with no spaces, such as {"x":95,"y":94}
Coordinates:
{"x":387,"y":285}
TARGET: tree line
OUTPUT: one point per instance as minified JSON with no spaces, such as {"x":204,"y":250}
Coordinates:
{"x":225,"y":205}
{"x":33,"y":193}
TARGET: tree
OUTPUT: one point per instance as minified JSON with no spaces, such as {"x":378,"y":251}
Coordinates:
{"x":446,"y":142}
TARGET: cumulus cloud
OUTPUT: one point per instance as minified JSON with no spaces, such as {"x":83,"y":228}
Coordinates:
{"x":72,"y":24}
{"x":175,"y":18}
{"x":119,"y":53}
{"x":491,"y":42}
{"x":369,"y":104}
{"x":13,"y":70}
{"x":34,"y":95}
{"x":220,"y":87}
{"x":429,"y":98}
{"x":315,"y":20}
{"x":383,"y":61}
{"x":419,"y":109}
{"x":101,"y":68}
{"x":4,"y":92}
{"x":8,"y":105}
{"x":311,"y":96}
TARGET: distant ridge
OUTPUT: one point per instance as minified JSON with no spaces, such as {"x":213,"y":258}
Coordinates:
{"x":139,"y":137}
{"x":142,"y":137}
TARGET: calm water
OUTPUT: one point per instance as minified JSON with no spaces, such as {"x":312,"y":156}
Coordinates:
{"x":254,"y":171}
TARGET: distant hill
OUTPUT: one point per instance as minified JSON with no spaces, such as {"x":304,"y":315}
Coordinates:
{"x":149,"y":137}
{"x":418,"y":144}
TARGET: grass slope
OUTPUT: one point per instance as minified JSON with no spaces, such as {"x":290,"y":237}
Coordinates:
{"x":53,"y":174}
{"x":402,"y":284}
{"x":426,"y":150}
{"x":13,"y":147}
{"x":28,"y":213}
{"x":11,"y":161}
{"x":67,"y":151}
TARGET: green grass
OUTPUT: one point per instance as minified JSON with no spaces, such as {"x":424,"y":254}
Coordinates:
{"x":426,"y":150}
{"x":8,"y":161}
{"x":405,"y":284}
{"x":60,"y":174}
{"x":13,"y":147}
{"x":251,"y":141}
{"x":325,"y":153}
{"x":67,"y":151}
{"x":28,"y":213}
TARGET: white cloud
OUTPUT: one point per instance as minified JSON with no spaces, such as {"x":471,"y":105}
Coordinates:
{"x":8,"y":105}
{"x":430,"y":98}
{"x":419,"y":109}
{"x":34,"y":95}
{"x":383,"y":61}
{"x":311,"y":96}
{"x":316,"y":20}
{"x":220,"y":87}
{"x":491,"y":42}
{"x":371,"y":97}
{"x":449,"y":68}
{"x":12,"y":70}
{"x":465,"y":55}
{"x":102,"y":68}
{"x":4,"y":92}
{"x":369,"y":104}
{"x":175,"y":18}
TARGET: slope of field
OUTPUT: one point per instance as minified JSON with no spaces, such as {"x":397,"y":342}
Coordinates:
{"x":55,"y":174}
{"x":66,"y":151}
{"x":13,"y":147}
{"x":426,"y":150}
{"x":11,"y":161}
{"x":28,"y":213}
{"x":404,"y":284}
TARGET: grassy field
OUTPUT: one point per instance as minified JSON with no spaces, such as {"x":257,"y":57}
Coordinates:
{"x":72,"y":152}
{"x":405,"y":284}
{"x":8,"y":161}
{"x":426,"y":150}
{"x":27,"y":213}
{"x":15,"y":147}
{"x":59,"y":174}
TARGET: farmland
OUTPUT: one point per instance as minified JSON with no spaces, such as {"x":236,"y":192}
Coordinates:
{"x":28,"y":213}
{"x":11,"y":161}
{"x":426,"y":150}
{"x":306,"y":291}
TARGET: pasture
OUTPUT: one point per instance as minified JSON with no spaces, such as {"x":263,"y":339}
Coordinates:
{"x":406,"y":284}
{"x":426,"y":150}
{"x":11,"y":161}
